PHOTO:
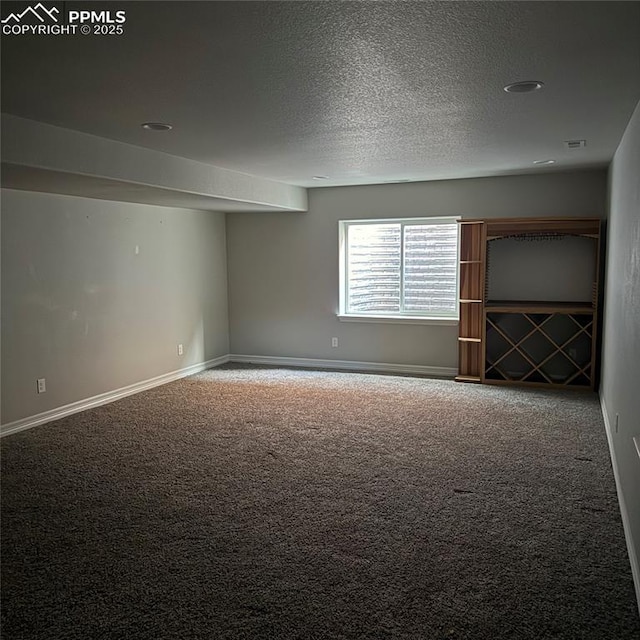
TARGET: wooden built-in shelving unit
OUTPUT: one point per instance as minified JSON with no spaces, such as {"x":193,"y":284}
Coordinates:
{"x":532,"y":342}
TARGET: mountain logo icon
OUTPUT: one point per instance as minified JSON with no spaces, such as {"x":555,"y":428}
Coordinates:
{"x":39,"y":11}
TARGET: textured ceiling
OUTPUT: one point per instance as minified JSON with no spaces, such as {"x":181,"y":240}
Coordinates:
{"x":360,"y":92}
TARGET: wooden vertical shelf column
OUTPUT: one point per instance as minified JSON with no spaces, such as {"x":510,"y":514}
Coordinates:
{"x":472,"y":270}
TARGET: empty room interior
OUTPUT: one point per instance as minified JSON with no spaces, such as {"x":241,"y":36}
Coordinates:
{"x":320,"y":320}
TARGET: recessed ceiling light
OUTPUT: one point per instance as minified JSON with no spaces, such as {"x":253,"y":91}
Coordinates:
{"x":320,"y":177}
{"x":525,"y":86}
{"x":544,"y":162}
{"x":157,"y":126}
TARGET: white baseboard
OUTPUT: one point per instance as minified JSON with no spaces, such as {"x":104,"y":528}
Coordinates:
{"x":631,"y":549}
{"x":109,"y":396}
{"x":316,"y":363}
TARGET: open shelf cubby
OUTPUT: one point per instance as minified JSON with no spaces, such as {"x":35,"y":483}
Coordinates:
{"x":529,"y":301}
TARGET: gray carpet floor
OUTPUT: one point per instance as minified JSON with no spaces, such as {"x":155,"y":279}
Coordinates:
{"x":272,"y":503}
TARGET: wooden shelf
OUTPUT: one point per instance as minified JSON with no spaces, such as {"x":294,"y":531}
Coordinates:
{"x":543,"y":343}
{"x":468,"y":379}
{"x":517,"y":306}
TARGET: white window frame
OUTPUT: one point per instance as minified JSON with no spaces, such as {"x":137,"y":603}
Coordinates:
{"x":407,"y":317}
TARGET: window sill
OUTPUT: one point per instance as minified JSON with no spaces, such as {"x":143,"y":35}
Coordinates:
{"x":397,"y":319}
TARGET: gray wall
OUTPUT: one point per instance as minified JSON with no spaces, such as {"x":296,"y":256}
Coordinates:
{"x":283,"y":268}
{"x":621,"y":344}
{"x":82,"y":310}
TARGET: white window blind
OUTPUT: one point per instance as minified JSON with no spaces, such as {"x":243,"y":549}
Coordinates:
{"x":405,"y":267}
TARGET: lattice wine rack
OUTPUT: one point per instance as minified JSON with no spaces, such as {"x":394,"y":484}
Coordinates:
{"x":553,"y":348}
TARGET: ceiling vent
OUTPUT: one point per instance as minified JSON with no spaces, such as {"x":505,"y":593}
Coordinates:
{"x":575,"y":144}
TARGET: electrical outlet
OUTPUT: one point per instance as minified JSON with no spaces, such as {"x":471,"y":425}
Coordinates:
{"x":42,"y":385}
{"x":334,"y":342}
{"x":180,"y":350}
{"x":617,"y":420}
{"x":137,"y":249}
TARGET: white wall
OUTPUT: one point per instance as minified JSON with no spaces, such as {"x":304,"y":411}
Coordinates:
{"x":283,"y":268}
{"x":621,"y":341}
{"x":82,"y":310}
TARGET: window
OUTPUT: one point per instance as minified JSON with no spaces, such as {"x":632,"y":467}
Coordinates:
{"x":403,"y":268}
